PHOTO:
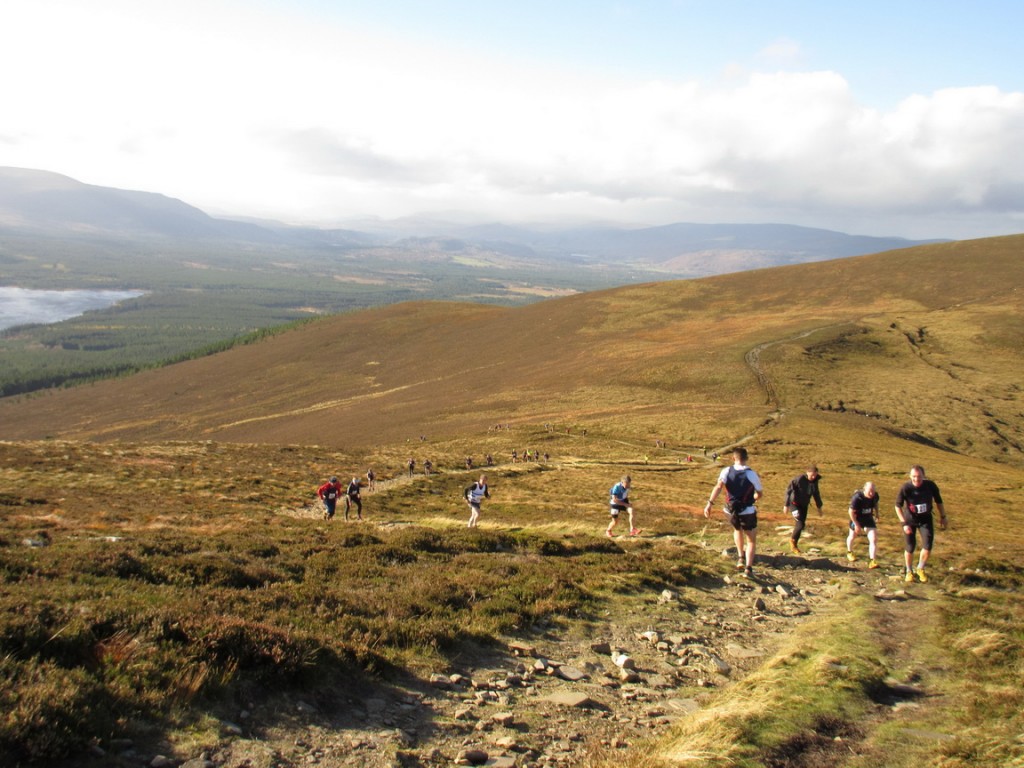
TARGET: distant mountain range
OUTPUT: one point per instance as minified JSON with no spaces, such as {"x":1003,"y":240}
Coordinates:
{"x":41,"y":203}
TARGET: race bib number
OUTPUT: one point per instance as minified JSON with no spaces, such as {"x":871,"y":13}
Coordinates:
{"x":919,"y":509}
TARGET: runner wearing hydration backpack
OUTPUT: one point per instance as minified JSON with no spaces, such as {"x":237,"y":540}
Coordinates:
{"x":743,"y":487}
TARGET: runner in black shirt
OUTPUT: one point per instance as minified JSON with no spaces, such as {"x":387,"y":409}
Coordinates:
{"x":914,"y":504}
{"x":863,"y":519}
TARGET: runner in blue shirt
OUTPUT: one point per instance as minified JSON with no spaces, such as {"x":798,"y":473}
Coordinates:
{"x":619,"y":502}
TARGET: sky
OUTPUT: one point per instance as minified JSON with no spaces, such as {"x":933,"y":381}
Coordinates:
{"x":888,"y":117}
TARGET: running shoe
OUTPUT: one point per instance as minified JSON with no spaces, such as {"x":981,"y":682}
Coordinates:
{"x":794,"y":548}
{"x":873,"y":564}
{"x":740,"y":563}
{"x":635,"y":532}
{"x":909,"y":576}
{"x":748,"y":573}
{"x":851,"y":557}
{"x":921,"y":575}
{"x":609,"y":534}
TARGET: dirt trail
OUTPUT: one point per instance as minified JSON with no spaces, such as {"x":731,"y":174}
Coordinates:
{"x":753,"y":360}
{"x":560,"y":693}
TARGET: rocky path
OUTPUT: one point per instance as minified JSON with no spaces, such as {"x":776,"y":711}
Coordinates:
{"x":551,"y":699}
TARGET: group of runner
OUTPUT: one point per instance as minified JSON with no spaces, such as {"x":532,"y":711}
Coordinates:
{"x":916,"y":502}
{"x":331,"y":491}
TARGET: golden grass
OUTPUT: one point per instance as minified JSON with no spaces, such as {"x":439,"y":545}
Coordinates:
{"x":921,"y":346}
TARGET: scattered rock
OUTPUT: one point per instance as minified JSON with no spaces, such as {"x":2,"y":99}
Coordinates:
{"x":605,"y":649}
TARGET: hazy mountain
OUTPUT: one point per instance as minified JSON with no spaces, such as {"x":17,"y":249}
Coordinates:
{"x":40,"y":202}
{"x":48,"y":202}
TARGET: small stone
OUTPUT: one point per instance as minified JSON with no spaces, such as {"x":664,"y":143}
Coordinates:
{"x":720,"y":666}
{"x":572,"y":699}
{"x":686,"y":706}
{"x":440,"y":681}
{"x":521,"y":649}
{"x":471,"y":757}
{"x":232,"y":729}
{"x":571,"y":673}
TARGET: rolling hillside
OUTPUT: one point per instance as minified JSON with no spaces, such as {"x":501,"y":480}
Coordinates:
{"x":906,"y":339}
{"x":173,"y":594}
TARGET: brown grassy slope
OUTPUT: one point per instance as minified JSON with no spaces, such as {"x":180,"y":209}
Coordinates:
{"x":624,"y":361}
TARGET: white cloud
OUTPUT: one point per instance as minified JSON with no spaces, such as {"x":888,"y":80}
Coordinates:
{"x":257,"y":113}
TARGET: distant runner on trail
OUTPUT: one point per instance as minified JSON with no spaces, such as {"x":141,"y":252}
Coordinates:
{"x":799,"y":493}
{"x":619,"y":502}
{"x":475,"y":494}
{"x":328,"y":493}
{"x":914,"y":504}
{"x":352,"y":497}
{"x":743,"y":487}
{"x":864,"y":519}
{"x":371,"y":480}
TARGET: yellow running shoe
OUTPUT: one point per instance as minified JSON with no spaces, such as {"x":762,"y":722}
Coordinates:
{"x":921,"y":575}
{"x":873,"y":564}
{"x":909,"y":576}
{"x":851,"y":557}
